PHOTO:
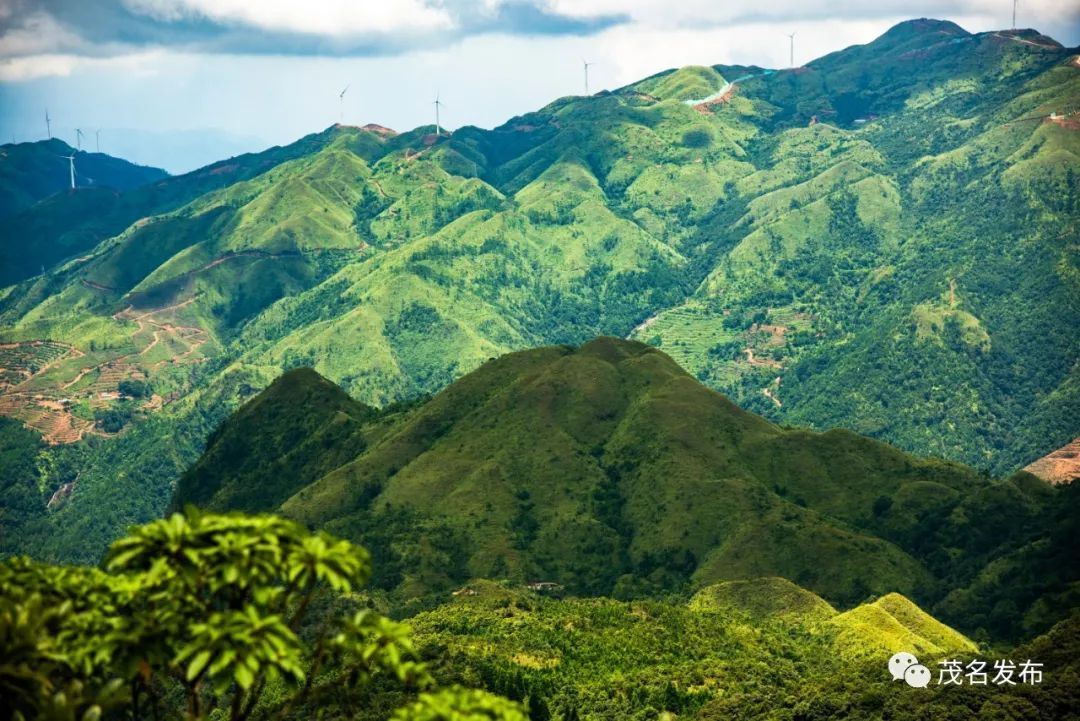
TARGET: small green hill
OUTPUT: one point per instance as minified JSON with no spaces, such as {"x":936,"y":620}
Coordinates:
{"x":772,"y":597}
{"x":693,"y":82}
{"x":891,"y":624}
{"x":597,"y":658}
{"x":298,"y":429}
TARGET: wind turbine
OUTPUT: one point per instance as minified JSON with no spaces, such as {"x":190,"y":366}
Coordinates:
{"x":1014,"y":14}
{"x":791,"y":37}
{"x":48,"y":124}
{"x":438,"y":104}
{"x":341,"y":103}
{"x":586,"y":64}
{"x":97,"y":139}
{"x":71,"y":165}
{"x":78,"y":138}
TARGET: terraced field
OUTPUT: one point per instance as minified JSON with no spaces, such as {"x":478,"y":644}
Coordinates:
{"x":52,"y":386}
{"x":52,"y":418}
{"x":686,"y":333}
{"x":709,"y":342}
{"x":21,"y":361}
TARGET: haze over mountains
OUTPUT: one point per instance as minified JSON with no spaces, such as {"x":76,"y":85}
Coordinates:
{"x":883,"y":240}
{"x":30,"y":172}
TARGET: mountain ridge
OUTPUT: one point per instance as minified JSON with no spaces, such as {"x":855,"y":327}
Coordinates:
{"x":607,"y":469}
{"x":32,"y":171}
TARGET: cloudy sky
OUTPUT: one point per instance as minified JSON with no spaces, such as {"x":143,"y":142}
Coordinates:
{"x":182,"y":82}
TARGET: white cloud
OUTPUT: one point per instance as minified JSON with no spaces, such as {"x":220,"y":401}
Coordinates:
{"x":668,"y":14}
{"x":332,"y":18}
{"x":45,"y":65}
{"x":38,"y":33}
{"x":33,"y":67}
{"x":630,"y":53}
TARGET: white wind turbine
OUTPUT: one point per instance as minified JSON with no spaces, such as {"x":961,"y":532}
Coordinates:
{"x":586,"y":65}
{"x":71,"y":166}
{"x":791,"y":37}
{"x":341,"y":103}
{"x":438,"y":104}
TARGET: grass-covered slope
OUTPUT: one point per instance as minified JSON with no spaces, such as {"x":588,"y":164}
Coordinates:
{"x":892,"y":623}
{"x":611,"y":471}
{"x":768,"y":597}
{"x":879,"y":257}
{"x":301,"y":427}
{"x":62,"y":225}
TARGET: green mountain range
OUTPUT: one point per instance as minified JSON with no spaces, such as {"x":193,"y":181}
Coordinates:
{"x":67,"y":224}
{"x":610,"y":471}
{"x":31,"y":172}
{"x":882,"y":240}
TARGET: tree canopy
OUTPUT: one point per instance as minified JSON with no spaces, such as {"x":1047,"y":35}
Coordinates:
{"x":203,"y":616}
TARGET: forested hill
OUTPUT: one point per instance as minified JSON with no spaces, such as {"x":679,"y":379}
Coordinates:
{"x":611,"y":471}
{"x":30,"y":172}
{"x":51,"y":226}
{"x":883,"y":241}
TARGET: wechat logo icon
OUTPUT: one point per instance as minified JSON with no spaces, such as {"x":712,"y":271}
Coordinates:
{"x":905,"y":666}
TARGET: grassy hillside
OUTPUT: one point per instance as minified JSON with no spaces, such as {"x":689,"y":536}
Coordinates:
{"x":830,"y":284}
{"x":301,"y":427}
{"x":61,"y":225}
{"x":609,"y":470}
{"x":764,"y":598}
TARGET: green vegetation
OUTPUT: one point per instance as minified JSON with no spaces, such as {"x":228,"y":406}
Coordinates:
{"x":881,"y":243}
{"x":604,"y":659}
{"x":203,"y":616}
{"x":609,"y":470}
{"x":251,"y":617}
{"x":30,"y":172}
{"x":911,"y":278}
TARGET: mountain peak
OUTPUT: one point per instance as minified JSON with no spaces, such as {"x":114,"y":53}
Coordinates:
{"x":768,"y":597}
{"x":591,"y":466}
{"x":924,"y":26}
{"x":288,"y":435}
